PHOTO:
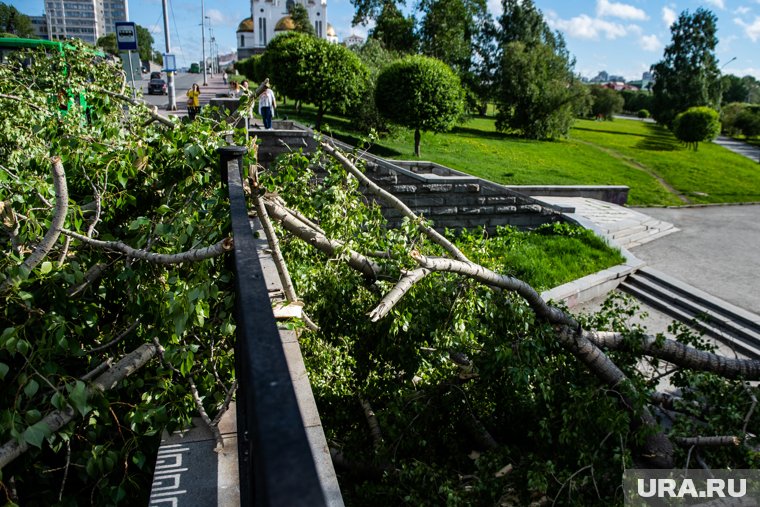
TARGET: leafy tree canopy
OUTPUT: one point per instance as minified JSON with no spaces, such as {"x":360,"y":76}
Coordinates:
{"x":14,"y":22}
{"x":447,"y":31}
{"x":420,"y":93}
{"x":688,"y":74}
{"x":395,"y":31}
{"x":606,"y":102}
{"x":697,"y":124}
{"x":300,"y":17}
{"x":539,"y":96}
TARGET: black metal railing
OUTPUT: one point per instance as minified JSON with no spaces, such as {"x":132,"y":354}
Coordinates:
{"x":277,"y":467}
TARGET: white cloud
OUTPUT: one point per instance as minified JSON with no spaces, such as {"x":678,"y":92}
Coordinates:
{"x":720,"y":4}
{"x":218,"y":18}
{"x":605,"y":8}
{"x":650,"y":43}
{"x":742,"y":10}
{"x":669,"y":16}
{"x":752,"y":30}
{"x":586,"y":27}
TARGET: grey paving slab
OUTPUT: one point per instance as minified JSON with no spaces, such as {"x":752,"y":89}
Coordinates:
{"x":739,"y":147}
{"x":717,"y":250}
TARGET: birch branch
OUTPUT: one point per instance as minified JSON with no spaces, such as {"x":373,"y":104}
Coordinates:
{"x":395,"y":202}
{"x":719,"y":441}
{"x":199,"y":254}
{"x":116,"y":340}
{"x":56,"y":224}
{"x":57,"y":419}
{"x":320,"y":241}
{"x":91,"y":275}
{"x":679,"y":354}
{"x":374,"y":425}
{"x":399,"y":290}
{"x":126,"y":98}
{"x":274,"y":246}
{"x":22,"y":100}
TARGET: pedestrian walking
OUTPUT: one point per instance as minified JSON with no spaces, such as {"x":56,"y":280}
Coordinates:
{"x":267,"y":105}
{"x":193,"y":101}
{"x":224,"y":78}
{"x":234,"y":89}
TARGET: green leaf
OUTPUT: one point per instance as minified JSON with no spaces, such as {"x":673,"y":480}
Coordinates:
{"x":46,"y":267}
{"x":3,"y":370}
{"x":78,"y":398}
{"x":35,"y":434}
{"x":31,"y":388}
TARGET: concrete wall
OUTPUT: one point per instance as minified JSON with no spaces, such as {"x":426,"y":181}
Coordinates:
{"x":615,"y":194}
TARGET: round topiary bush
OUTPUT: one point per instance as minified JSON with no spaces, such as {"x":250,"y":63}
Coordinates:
{"x":697,"y":124}
{"x":643,"y":113}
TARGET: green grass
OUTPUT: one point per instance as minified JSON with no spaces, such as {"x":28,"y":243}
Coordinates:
{"x":644,"y":156}
{"x":546,"y":258}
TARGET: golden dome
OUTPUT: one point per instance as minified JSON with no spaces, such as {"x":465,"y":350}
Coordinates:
{"x":331,"y":31}
{"x":284,"y":24}
{"x":246,"y":25}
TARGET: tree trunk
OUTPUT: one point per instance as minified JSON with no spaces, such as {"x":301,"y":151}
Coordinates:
{"x":320,"y":115}
{"x":417,"y":142}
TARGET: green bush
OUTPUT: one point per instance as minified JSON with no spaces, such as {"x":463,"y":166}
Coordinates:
{"x":607,"y":102}
{"x":643,"y":113}
{"x":748,"y":122}
{"x":697,"y":124}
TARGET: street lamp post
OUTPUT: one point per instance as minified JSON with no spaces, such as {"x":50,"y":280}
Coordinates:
{"x":731,"y":60}
{"x":169,"y":75}
{"x":203,"y":43}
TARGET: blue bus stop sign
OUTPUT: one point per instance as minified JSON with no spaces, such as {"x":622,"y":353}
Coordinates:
{"x":126,"y":36}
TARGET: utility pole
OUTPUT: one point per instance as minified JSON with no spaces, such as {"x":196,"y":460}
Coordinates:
{"x":170,"y":74}
{"x":203,"y":43}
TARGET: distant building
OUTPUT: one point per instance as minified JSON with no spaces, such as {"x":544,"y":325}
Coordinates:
{"x":602,"y":77}
{"x":353,"y":40}
{"x":647,"y":76}
{"x":270,"y":17}
{"x":84,"y":19}
{"x":40,"y":26}
{"x":617,"y":79}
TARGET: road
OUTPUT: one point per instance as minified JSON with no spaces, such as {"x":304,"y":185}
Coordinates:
{"x":717,"y":250}
{"x":182,"y":82}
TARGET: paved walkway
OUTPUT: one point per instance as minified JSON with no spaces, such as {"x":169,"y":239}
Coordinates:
{"x":625,"y":226}
{"x":740,"y":147}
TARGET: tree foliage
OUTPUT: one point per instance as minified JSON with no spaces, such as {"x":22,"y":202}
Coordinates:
{"x":688,"y":74}
{"x":606,"y":102}
{"x":538,"y":95}
{"x":300,"y":17}
{"x":420,"y":93}
{"x":14,"y":22}
{"x":313,"y":70}
{"x":697,"y":124}
{"x":395,"y":31}
{"x":74,"y":304}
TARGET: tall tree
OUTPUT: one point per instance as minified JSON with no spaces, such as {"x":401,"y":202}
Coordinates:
{"x":394,"y":30}
{"x":537,"y":92}
{"x":300,"y":17}
{"x":420,"y":93}
{"x":12,"y":21}
{"x":446,"y":32}
{"x":688,"y":74}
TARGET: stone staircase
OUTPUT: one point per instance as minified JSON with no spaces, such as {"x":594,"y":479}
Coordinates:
{"x":628,"y":228}
{"x":734,"y":326}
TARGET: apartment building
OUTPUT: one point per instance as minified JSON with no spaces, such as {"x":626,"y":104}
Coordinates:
{"x":85,"y":19}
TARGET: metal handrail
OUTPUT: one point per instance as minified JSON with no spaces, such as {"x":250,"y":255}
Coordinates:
{"x":277,"y":467}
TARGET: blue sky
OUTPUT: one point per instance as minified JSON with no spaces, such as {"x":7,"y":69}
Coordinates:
{"x":622,"y":37}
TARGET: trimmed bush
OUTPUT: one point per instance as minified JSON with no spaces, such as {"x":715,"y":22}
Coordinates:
{"x":643,"y":113}
{"x":695,"y":125}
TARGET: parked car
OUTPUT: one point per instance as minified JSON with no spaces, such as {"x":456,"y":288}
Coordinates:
{"x":155,"y":75}
{"x":157,"y":86}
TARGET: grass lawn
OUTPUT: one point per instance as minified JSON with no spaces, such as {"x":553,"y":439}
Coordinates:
{"x":644,"y":156}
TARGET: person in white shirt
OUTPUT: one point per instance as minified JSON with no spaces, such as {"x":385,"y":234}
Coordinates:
{"x":267,"y":105}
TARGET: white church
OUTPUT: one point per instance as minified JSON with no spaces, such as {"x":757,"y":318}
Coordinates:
{"x":270,"y":17}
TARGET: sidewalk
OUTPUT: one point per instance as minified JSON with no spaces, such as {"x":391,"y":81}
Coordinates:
{"x":215,"y":86}
{"x":740,"y":147}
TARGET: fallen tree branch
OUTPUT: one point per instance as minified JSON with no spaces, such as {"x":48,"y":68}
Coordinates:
{"x":719,"y":441}
{"x":116,"y":340}
{"x":320,"y":241}
{"x":395,"y":202}
{"x":90,"y":276}
{"x":274,"y":246}
{"x":56,"y":224}
{"x":403,"y":286}
{"x":196,"y":398}
{"x":135,"y":102}
{"x":374,"y":425}
{"x":199,"y":254}
{"x":57,"y":419}
{"x":22,"y":100}
{"x":678,"y":354}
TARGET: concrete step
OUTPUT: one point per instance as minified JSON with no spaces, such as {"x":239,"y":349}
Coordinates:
{"x":733,"y":326}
